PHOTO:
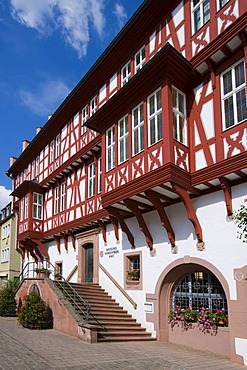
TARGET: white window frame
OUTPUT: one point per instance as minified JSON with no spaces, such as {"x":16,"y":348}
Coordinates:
{"x":37,"y":167}
{"x":57,"y":151}
{"x":38,"y":206}
{"x":138,"y":129}
{"x":84,"y":118}
{"x":140,"y":59}
{"x":110,"y":148}
{"x":123,"y":139}
{"x":63,"y":196}
{"x":199,"y":9}
{"x":100,"y":175}
{"x":233,"y":93}
{"x":56,"y":200}
{"x":179,"y":116}
{"x":154,"y":117}
{"x":93,"y":105}
{"x":91,"y":179}
{"x":26,"y":207}
{"x":125,"y":73}
{"x":22,"y":209}
{"x":52,"y":151}
{"x":5,"y":255}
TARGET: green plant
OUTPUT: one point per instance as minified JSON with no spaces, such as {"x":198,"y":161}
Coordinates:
{"x":42,"y":270}
{"x":34,"y":312}
{"x":240,"y":217}
{"x":135,"y":273}
{"x":7,"y":299}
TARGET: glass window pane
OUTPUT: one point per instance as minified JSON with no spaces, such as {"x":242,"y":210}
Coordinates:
{"x":239,"y":74}
{"x":229,"y":114}
{"x":227,"y":82}
{"x":241,"y":105}
{"x":151,"y":105}
{"x":206,"y":11}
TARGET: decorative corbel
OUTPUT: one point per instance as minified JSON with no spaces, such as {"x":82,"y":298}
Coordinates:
{"x":228,"y":196}
{"x":114,"y":222}
{"x":115,"y":212}
{"x":42,"y":249}
{"x":154,"y":198}
{"x":212,"y":72}
{"x":35,"y":247}
{"x":72,"y":238}
{"x":58,"y":243}
{"x":29,"y":249}
{"x":65,"y":238}
{"x":103,"y":229}
{"x":142,"y":224}
{"x":191,"y":214}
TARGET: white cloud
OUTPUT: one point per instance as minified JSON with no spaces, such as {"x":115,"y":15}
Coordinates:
{"x":48,"y":96}
{"x":4,"y":197}
{"x":73,"y":18}
{"x":120,"y":13}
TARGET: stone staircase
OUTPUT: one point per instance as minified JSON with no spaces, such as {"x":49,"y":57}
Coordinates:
{"x":116,"y":324}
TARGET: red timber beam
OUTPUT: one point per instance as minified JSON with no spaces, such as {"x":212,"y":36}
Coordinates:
{"x":155,"y":199}
{"x":114,"y":222}
{"x":42,"y":249}
{"x":228,"y":196}
{"x":29,"y":249}
{"x":191,"y":214}
{"x":57,"y":238}
{"x":133,"y":206}
{"x":65,"y":239}
{"x":35,"y":247}
{"x":115,"y":213}
{"x":103,"y":229}
{"x":72,"y":238}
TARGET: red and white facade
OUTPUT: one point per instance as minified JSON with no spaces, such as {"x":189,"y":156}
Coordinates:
{"x":145,"y":163}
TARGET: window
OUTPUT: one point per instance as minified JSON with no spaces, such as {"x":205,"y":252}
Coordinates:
{"x":84,"y":118}
{"x":56,"y":200}
{"x":125,"y":73}
{"x":37,"y":167}
{"x":58,"y":270}
{"x":33,"y":170}
{"x":99,"y":175}
{"x":197,"y":290}
{"x":201,"y":13}
{"x":123,"y":139}
{"x":91,"y":179}
{"x":5,"y":255}
{"x":57,"y":153}
{"x":110,"y":148}
{"x":26,"y":207}
{"x":93,"y":105}
{"x":179,"y":115}
{"x":138,"y":129}
{"x":233,"y":89}
{"x":63,"y":197}
{"x":37,"y":206}
{"x":22,"y":210}
{"x":52,"y":151}
{"x":155,"y":117}
{"x":140,"y":59}
{"x":222,"y":3}
{"x":132,"y":271}
{"x":6,"y":231}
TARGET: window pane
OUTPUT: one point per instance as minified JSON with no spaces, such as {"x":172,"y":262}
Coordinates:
{"x":159,"y":124}
{"x":197,"y":19}
{"x":227,"y":82}
{"x":158,"y":99}
{"x":142,"y":138}
{"x":229,"y":115}
{"x":241,"y":105}
{"x":180,"y":103}
{"x":206,"y":11}
{"x":151,"y":105}
{"x":152,"y":131}
{"x":239,"y":74}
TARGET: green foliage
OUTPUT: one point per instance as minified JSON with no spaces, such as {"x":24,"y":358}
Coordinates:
{"x":7,"y":299}
{"x":241,"y":221}
{"x":34,"y":313}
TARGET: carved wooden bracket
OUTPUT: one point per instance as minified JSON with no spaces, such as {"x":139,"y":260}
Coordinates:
{"x":212,"y":72}
{"x":72,"y":238}
{"x":103,"y":229}
{"x":115,"y":212}
{"x":30,"y":250}
{"x":58,"y":243}
{"x":228,"y":195}
{"x":190,"y":213}
{"x":65,"y":238}
{"x":154,"y":198}
{"x":42,"y":249}
{"x":35,"y":248}
{"x":114,"y":221}
{"x":142,"y":224}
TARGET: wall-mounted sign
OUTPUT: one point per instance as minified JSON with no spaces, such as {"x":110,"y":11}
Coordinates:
{"x":149,"y":307}
{"x":110,"y":252}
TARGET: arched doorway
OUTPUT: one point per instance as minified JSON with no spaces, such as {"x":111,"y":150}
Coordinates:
{"x":88,"y":262}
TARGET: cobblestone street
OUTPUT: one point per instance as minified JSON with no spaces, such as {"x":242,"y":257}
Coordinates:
{"x":25,"y":349}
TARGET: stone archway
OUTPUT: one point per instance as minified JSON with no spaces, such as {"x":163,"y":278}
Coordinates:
{"x":88,"y":243}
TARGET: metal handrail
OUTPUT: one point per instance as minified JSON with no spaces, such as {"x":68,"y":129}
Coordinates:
{"x":62,"y":283}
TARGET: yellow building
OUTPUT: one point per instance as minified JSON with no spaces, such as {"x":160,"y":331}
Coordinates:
{"x":10,"y":259}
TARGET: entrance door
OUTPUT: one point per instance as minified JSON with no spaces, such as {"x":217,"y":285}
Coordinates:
{"x":89,"y":263}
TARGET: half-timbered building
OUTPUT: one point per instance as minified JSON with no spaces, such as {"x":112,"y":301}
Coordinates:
{"x":133,"y":182}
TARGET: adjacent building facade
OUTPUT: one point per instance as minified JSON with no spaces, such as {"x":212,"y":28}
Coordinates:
{"x":134,"y":180}
{"x":10,"y":259}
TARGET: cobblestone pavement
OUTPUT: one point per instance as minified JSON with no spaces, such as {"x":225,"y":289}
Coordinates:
{"x":24,"y":349}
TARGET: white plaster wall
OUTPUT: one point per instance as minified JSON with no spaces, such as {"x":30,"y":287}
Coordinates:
{"x":222,"y":247}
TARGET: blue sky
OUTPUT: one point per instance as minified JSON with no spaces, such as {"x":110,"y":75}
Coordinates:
{"x":46,"y":47}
